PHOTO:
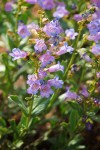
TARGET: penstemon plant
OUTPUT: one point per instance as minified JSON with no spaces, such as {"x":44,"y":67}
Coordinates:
{"x":50,"y":72}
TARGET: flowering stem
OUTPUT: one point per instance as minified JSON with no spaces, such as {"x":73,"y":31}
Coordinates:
{"x":73,"y":56}
{"x":54,"y":97}
{"x":16,"y":23}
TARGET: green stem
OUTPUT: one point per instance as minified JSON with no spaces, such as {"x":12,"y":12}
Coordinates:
{"x":54,"y":96}
{"x":73,"y":56}
{"x":69,"y":65}
{"x":29,"y":115}
{"x":81,"y":77}
{"x":16,"y":22}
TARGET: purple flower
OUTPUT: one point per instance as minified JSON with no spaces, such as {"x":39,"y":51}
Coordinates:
{"x":94,"y":29}
{"x":97,"y":2}
{"x":96,"y":101}
{"x":42,"y":74}
{"x":86,"y":57}
{"x":55,"y":40}
{"x":94,"y":38}
{"x":96,"y":15}
{"x":23,"y":30}
{"x":45,"y":91}
{"x":33,"y":26}
{"x":17,"y":53}
{"x":77,"y":17}
{"x":31,"y":79}
{"x":31,"y":1}
{"x":84,"y":92}
{"x":94,"y":26}
{"x":55,"y":82}
{"x":71,"y":95}
{"x":55,"y":68}
{"x":96,"y":49}
{"x":8,"y":7}
{"x":71,"y":34}
{"x":64,"y":49}
{"x":60,"y":4}
{"x":33,"y":89}
{"x":89,"y":125}
{"x":40,"y":45}
{"x":98,"y":74}
{"x":53,"y":28}
{"x":46,"y":59}
{"x":14,"y":1}
{"x":74,"y":6}
{"x":46,"y":4}
{"x":60,"y":12}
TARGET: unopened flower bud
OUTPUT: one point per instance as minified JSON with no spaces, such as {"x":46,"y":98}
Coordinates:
{"x":34,"y":33}
{"x":74,"y":68}
{"x":89,"y":125}
{"x":45,"y":20}
{"x":31,"y":41}
{"x":24,"y":8}
{"x":10,"y":33}
{"x":40,"y":12}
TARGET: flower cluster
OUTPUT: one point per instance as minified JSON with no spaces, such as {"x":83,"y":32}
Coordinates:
{"x":45,"y":4}
{"x":78,"y":97}
{"x":94,"y":29}
{"x":60,"y":11}
{"x":50,"y":43}
{"x":44,"y":56}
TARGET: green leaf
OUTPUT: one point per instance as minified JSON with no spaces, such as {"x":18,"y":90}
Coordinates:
{"x":20,"y":103}
{"x":16,"y":144}
{"x":96,"y":118}
{"x":64,"y":125}
{"x":23,"y":121}
{"x":13,"y":127}
{"x":73,"y":119}
{"x":39,"y":105}
{"x":2,"y":122}
{"x":3,"y":130}
{"x":20,"y":72}
{"x":76,"y":106}
{"x":19,"y":143}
